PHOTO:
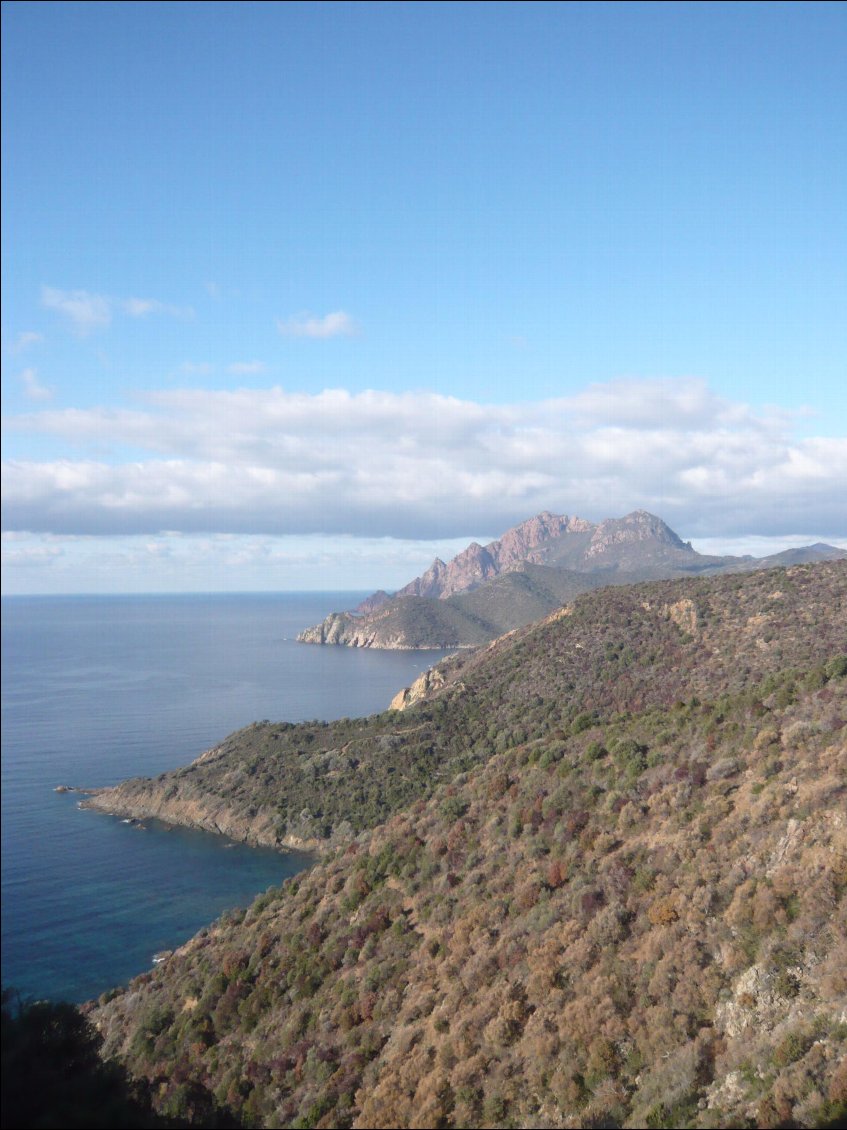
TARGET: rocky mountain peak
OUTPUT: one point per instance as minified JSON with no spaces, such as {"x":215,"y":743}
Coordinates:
{"x":468,"y":570}
{"x":639,"y":526}
{"x":516,"y":544}
{"x":428,"y":583}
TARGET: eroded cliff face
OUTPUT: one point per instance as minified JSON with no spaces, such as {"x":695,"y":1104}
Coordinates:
{"x":625,"y":539}
{"x":522,"y":543}
{"x":342,"y":628}
{"x":145,"y":800}
{"x":429,"y":583}
{"x":478,"y":564}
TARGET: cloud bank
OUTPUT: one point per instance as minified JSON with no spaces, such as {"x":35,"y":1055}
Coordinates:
{"x":422,"y":465}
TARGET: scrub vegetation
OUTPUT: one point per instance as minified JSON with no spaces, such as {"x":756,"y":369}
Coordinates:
{"x":599,"y":879}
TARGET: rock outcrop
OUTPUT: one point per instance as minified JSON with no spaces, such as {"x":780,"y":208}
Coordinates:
{"x":478,"y":564}
{"x":430,"y":681}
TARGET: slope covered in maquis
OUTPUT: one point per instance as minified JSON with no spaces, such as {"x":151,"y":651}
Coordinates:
{"x":625,"y":907}
{"x":610,"y":651}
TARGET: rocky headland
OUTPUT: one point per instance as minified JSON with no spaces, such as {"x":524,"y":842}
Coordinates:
{"x":531,"y":570}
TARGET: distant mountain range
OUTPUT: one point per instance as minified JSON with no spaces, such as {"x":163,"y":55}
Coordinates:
{"x":531,"y":570}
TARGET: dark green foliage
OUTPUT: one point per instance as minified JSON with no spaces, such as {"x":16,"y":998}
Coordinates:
{"x":53,"y":1075}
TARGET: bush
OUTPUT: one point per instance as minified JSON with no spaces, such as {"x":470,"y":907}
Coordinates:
{"x":53,"y":1074}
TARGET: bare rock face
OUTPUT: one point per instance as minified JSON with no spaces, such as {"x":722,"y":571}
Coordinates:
{"x":140,"y":800}
{"x":616,"y":542}
{"x":354,"y":631}
{"x":684,"y":615}
{"x":338,"y":627}
{"x":429,"y":583}
{"x":519,"y":544}
{"x":632,"y":530}
{"x":471,"y":568}
{"x":420,"y":689}
{"x":478,"y":564}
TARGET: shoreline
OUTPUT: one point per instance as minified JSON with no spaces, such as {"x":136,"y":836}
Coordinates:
{"x":216,"y":820}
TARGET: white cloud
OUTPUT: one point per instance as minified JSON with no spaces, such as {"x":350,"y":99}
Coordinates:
{"x":85,"y":311}
{"x":245,"y":368}
{"x":418,"y":465}
{"x":25,"y":339}
{"x":141,"y":307}
{"x":336,"y":324}
{"x":222,"y":562}
{"x":196,"y":368}
{"x":33,"y":388}
{"x":23,"y":551}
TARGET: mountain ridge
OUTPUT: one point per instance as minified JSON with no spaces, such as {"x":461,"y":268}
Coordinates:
{"x":437,"y":610}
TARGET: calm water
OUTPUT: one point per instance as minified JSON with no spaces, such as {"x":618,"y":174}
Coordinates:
{"x":96,"y":689}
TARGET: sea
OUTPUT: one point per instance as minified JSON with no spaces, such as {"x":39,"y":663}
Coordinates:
{"x":99,"y":688}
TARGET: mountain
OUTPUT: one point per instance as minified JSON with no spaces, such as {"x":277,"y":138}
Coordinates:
{"x":465,"y":619}
{"x":594,"y":876}
{"x":477,"y":564}
{"x":554,"y":557}
{"x":805,"y":555}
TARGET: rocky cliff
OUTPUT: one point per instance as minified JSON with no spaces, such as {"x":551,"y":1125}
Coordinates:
{"x":478,"y":564}
{"x":470,"y":600}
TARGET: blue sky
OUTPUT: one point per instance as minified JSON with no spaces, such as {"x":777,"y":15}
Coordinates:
{"x":296,"y":296}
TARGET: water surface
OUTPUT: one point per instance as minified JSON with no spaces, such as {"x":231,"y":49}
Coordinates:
{"x":97,"y":689}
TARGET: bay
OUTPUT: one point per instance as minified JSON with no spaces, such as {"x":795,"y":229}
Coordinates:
{"x":99,"y":688}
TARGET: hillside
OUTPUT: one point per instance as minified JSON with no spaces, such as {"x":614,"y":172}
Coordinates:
{"x":613,"y":896}
{"x":535,"y":567}
{"x":611,"y":650}
{"x":466,"y":619}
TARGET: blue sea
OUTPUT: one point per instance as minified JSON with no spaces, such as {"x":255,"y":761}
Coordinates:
{"x":99,"y":688}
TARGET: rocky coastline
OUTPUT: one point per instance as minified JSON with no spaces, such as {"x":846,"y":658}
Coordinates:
{"x":141,"y":799}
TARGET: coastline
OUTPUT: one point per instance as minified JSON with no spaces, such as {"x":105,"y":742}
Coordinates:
{"x":140,"y":799}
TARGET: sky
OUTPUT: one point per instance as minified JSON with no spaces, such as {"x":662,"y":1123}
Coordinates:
{"x":298,"y":296}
